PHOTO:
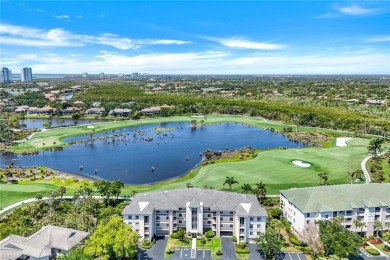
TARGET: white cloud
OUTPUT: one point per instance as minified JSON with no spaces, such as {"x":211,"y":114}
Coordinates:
{"x":26,"y":36}
{"x":380,"y":39}
{"x":353,"y":10}
{"x":241,"y":43}
{"x":357,"y":10}
{"x":162,"y":42}
{"x":64,"y":17}
{"x":207,"y":62}
{"x":79,"y":16}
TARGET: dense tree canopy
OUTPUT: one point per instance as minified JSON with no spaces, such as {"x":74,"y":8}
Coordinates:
{"x":112,"y":240}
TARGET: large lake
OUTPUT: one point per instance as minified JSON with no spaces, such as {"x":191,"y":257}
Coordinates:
{"x":130,"y":157}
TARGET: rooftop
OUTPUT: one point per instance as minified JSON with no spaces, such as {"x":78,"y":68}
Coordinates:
{"x":242,"y":204}
{"x":339,"y":197}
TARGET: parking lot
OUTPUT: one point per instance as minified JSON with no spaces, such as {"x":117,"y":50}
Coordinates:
{"x":293,"y":256}
{"x":185,"y":253}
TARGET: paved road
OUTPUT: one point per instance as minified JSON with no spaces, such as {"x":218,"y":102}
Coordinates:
{"x":46,"y":198}
{"x":156,"y":252}
{"x":364,"y":169}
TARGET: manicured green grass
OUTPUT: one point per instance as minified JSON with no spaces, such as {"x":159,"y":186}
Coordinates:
{"x":12,"y":193}
{"x":214,"y":244}
{"x":274,"y":168}
{"x":381,"y":247}
{"x":55,"y":135}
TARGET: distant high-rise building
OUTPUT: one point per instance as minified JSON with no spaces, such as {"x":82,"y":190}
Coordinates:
{"x":5,"y":75}
{"x":102,"y":75}
{"x":85,"y":74}
{"x":26,"y":75}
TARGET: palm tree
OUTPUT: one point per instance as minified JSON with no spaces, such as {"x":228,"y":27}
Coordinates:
{"x":352,"y":174}
{"x":359,"y":224}
{"x":377,"y":225}
{"x":54,"y":143}
{"x":260,"y":190}
{"x":230,"y":181}
{"x":387,"y":225}
{"x":43,"y":146}
{"x":246,"y":188}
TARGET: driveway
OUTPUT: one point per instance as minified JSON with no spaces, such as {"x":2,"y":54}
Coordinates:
{"x":228,"y":249}
{"x":156,"y":252}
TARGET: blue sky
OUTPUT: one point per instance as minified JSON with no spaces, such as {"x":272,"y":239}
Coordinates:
{"x":196,"y":37}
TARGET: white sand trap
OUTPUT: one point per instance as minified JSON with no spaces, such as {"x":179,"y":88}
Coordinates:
{"x":90,"y":126}
{"x":301,"y":164}
{"x":36,"y":140}
{"x":342,"y":141}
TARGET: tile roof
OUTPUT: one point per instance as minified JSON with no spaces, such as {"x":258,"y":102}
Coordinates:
{"x":339,"y":197}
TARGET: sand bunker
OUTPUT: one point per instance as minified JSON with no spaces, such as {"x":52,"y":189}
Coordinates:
{"x":342,"y":141}
{"x":90,"y":126}
{"x":301,"y":164}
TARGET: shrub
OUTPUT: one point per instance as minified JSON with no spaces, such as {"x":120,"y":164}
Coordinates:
{"x":295,"y":241}
{"x":234,"y":238}
{"x":241,"y":245}
{"x":175,"y":235}
{"x":372,"y":251}
{"x":146,"y":244}
{"x":218,"y":252}
{"x":286,"y":224}
{"x":242,"y":250}
{"x":203,"y":241}
{"x":170,"y":251}
{"x":209,"y":234}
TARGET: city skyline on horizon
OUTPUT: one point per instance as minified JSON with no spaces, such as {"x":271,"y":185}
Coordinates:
{"x":197,"y":38}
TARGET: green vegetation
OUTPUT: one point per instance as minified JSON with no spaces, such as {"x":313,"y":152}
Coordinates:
{"x":348,"y":242}
{"x":214,"y":244}
{"x":372,"y":251}
{"x":112,"y":240}
{"x":275,"y":169}
{"x":269,"y":243}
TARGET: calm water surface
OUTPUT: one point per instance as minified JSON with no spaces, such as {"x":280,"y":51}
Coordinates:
{"x":130,"y":158}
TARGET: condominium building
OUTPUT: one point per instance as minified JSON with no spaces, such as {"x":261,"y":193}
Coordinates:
{"x":364,"y":202}
{"x":197,"y":211}
{"x":5,"y":75}
{"x":26,"y":75}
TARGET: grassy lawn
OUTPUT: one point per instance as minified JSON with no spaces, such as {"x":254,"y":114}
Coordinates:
{"x":175,"y":243}
{"x":214,"y":244}
{"x":55,"y":135}
{"x":12,"y":193}
{"x":381,"y":247}
{"x":274,"y":168}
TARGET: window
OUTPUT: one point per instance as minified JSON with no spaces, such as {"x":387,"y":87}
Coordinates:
{"x":209,"y":215}
{"x":180,"y":215}
{"x":251,"y":226}
{"x":231,"y":212}
{"x":251,"y":233}
{"x":259,"y":219}
{"x":157,"y":211}
{"x":180,"y":208}
{"x":251,"y":218}
{"x":158,"y":224}
{"x":307,"y":215}
{"x":326,"y":216}
{"x":157,"y":217}
{"x":129,"y":217}
{"x":180,"y":221}
{"x":136,"y":217}
{"x":231,"y":225}
{"x":231,"y":219}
